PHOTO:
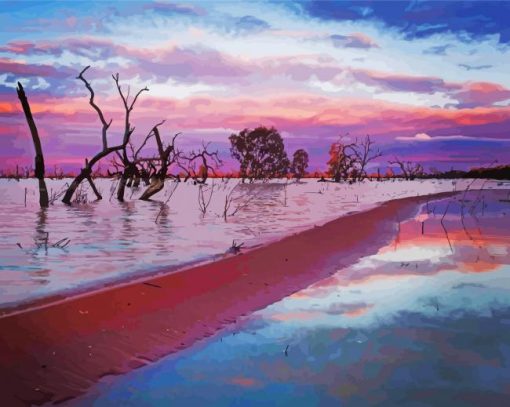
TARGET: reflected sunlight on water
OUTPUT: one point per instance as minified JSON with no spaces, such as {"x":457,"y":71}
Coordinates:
{"x":425,"y":321}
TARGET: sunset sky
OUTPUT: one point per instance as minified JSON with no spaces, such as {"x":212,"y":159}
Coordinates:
{"x":427,"y":80}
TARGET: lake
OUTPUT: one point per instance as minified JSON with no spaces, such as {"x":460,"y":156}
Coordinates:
{"x":112,"y":241}
{"x":423,"y":322}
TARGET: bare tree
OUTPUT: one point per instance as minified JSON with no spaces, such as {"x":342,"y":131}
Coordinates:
{"x":39,"y":158}
{"x":86,"y":171}
{"x":130,"y":169}
{"x":365,"y":152}
{"x":168,"y":155}
{"x":207,"y":162}
{"x":409,"y":169}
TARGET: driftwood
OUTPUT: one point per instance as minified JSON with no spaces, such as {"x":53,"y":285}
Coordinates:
{"x":39,"y":157}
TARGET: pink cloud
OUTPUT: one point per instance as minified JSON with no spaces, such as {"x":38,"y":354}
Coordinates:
{"x":24,"y":69}
{"x":482,"y":94}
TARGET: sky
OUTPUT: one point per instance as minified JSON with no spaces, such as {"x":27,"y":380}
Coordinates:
{"x":428,"y":81}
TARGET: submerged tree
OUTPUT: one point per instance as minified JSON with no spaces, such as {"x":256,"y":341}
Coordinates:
{"x":260,"y":152}
{"x":299,"y":164}
{"x":39,"y":157}
{"x":86,"y":171}
{"x":168,"y":155}
{"x":206,"y":161}
{"x":130,"y":169}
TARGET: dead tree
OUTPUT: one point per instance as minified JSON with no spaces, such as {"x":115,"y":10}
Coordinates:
{"x":365,"y":152}
{"x":167,"y":156}
{"x":39,"y":157}
{"x":207,"y":162}
{"x":86,"y":171}
{"x":129,"y":166}
{"x":409,"y":169}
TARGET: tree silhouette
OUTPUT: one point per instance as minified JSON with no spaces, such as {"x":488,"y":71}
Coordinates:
{"x":299,"y":163}
{"x":365,"y":152}
{"x":260,"y":152}
{"x":130,"y":169}
{"x":39,"y":157}
{"x":409,"y":169}
{"x":86,"y":172}
{"x":342,"y":160}
{"x":168,"y":155}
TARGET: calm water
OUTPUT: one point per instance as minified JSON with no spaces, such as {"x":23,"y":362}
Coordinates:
{"x":111,"y":241}
{"x":424,"y":322}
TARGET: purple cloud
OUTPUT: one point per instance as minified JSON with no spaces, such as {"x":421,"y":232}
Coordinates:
{"x":404,"y":83}
{"x":355,"y":40}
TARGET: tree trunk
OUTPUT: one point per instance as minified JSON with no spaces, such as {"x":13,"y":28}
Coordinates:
{"x":156,"y":186}
{"x":122,"y":186}
{"x":39,"y":158}
{"x":85,"y":172}
{"x":93,"y":186}
{"x":136,"y":182}
{"x":126,"y":176}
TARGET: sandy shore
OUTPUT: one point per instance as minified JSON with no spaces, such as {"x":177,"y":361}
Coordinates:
{"x":57,"y":351}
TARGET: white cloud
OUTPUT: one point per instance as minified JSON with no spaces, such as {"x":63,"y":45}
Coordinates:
{"x":426,"y":137}
{"x":416,"y":137}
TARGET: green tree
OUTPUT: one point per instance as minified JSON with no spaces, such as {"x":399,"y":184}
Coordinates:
{"x":260,"y":152}
{"x":299,"y":163}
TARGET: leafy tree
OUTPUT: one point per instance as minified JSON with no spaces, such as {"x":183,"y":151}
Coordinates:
{"x":299,"y":163}
{"x":260,"y":152}
{"x":349,"y":161}
{"x":342,"y":161}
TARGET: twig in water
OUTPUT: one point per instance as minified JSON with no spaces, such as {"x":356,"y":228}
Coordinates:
{"x":203,"y":202}
{"x":165,"y":204}
{"x":444,"y":227}
{"x":62,"y":243}
{"x":235,"y":248}
{"x":247,"y":201}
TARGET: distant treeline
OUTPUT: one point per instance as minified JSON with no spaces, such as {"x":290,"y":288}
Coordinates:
{"x":500,"y":172}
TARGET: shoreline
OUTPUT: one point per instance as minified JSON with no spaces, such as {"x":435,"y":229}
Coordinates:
{"x":57,"y":350}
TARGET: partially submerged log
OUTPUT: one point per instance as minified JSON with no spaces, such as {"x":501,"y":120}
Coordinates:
{"x":39,"y":157}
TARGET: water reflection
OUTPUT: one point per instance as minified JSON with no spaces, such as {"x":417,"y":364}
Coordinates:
{"x":417,"y":324}
{"x":112,"y":240}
